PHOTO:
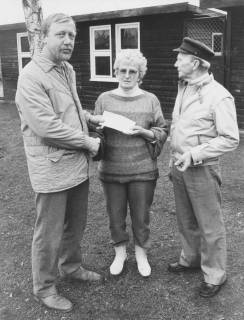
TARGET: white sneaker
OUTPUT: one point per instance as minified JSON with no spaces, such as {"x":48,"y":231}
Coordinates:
{"x":142,"y":262}
{"x":118,"y":264}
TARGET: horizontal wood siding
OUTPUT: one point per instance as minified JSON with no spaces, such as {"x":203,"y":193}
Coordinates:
{"x":88,"y":90}
{"x":237,"y":62}
{"x":159,"y":35}
{"x":9,"y":56}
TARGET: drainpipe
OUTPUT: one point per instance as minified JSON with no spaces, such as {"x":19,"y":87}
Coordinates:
{"x":227,"y":62}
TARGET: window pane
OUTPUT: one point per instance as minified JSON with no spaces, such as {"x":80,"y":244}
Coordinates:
{"x":102,"y":66}
{"x":101,"y":39}
{"x":129,"y":38}
{"x":217,"y":43}
{"x":25,"y":61}
{"x":24,"y":44}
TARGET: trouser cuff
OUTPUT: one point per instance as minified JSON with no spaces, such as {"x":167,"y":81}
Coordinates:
{"x":45,"y":292}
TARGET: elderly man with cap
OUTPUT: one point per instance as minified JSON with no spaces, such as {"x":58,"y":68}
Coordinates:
{"x":204,"y":127}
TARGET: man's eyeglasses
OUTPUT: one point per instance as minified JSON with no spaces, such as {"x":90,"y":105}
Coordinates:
{"x":130,"y":72}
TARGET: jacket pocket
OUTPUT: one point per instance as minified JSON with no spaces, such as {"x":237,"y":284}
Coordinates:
{"x":61,"y":100}
{"x":55,"y":156}
{"x":215,"y":172}
{"x":202,"y":120}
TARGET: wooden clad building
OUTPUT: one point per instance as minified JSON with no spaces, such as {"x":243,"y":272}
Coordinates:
{"x":154,"y":30}
{"x":234,"y":50}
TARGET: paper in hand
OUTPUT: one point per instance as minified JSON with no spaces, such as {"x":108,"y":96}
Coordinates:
{"x":117,"y":122}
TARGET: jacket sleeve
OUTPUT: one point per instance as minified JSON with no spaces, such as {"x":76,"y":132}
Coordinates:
{"x":37,"y":112}
{"x":98,"y":106}
{"x":227,"y":133}
{"x":160,"y":129}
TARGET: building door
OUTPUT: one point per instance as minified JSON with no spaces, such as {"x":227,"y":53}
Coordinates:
{"x":211,"y":32}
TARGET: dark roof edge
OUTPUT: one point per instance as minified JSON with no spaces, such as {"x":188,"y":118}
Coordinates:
{"x":207,"y":12}
{"x":221,"y":4}
{"x":13,"y":26}
{"x":144,"y":11}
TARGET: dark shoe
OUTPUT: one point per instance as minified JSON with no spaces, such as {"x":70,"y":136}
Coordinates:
{"x":84,"y":275}
{"x":176,"y":267}
{"x":56,"y":302}
{"x":208,"y":290}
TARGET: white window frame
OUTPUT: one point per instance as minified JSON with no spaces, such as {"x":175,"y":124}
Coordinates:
{"x":120,"y":26}
{"x":21,"y":54}
{"x":100,"y":53}
{"x":218,"y":53}
{"x":105,"y":53}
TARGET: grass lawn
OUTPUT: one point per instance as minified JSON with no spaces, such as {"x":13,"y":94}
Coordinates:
{"x":163,"y":296}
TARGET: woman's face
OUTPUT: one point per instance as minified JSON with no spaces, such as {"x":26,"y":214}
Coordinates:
{"x":128,"y":76}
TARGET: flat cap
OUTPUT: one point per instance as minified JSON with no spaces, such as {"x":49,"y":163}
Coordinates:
{"x":196,"y":48}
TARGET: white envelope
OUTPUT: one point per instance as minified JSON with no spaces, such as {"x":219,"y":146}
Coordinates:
{"x":117,"y":122}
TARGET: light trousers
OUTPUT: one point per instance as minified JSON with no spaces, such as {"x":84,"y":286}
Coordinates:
{"x":139,"y":196}
{"x":60,"y":224}
{"x":200,"y":220}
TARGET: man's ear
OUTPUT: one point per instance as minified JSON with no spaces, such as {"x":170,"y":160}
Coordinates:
{"x":196,"y":64}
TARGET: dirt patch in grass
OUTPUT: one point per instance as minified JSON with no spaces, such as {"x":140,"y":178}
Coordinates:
{"x":162,"y":296}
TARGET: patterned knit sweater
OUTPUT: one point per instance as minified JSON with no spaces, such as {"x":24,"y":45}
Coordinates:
{"x":131,"y":158}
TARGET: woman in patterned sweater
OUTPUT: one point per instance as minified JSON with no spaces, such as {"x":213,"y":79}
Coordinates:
{"x":129,"y":170}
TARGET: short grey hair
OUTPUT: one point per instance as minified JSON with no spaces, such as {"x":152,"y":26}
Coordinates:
{"x":203,"y":64}
{"x":133,"y":57}
{"x":55,"y":18}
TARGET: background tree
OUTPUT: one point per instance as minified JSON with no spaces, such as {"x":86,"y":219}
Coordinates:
{"x":33,"y":19}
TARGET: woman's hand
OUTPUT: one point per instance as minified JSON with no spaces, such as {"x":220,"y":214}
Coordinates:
{"x":140,"y":131}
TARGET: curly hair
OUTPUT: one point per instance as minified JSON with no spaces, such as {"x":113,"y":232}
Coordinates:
{"x":133,"y":57}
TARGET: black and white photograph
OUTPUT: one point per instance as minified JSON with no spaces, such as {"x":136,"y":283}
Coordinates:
{"x":122,"y":160}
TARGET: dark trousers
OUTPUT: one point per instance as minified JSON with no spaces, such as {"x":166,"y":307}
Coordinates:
{"x":60,"y":224}
{"x":139,"y":196}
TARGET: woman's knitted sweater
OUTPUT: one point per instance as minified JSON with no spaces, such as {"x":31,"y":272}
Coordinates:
{"x":129,"y":158}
